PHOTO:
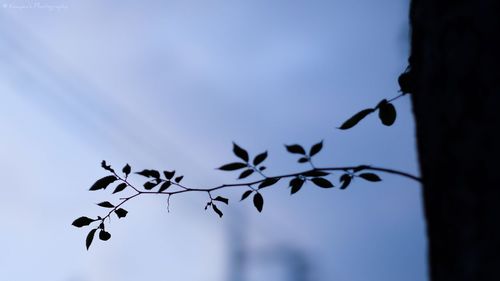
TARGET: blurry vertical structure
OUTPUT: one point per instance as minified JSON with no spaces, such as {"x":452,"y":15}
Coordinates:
{"x":280,"y":262}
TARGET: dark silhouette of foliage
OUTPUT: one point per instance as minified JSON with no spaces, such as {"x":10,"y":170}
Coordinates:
{"x":169,"y":184}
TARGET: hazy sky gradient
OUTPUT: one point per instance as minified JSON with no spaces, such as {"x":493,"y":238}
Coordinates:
{"x":169,"y":85}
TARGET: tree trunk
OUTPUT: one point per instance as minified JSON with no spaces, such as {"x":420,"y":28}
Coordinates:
{"x":455,"y":70}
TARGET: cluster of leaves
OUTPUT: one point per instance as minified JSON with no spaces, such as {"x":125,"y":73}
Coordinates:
{"x":246,"y":166}
{"x":386,"y":110}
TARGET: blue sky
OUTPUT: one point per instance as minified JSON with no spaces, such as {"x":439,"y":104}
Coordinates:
{"x":169,"y":85}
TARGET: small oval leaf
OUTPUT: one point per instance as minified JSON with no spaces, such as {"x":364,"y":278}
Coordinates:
{"x":322,"y":182}
{"x":345,"y":179}
{"x":295,"y":149}
{"x":370,"y":177}
{"x":82,"y":221}
{"x":104,"y":235}
{"x":296,"y":185}
{"x":120,"y":187}
{"x":258,"y":201}
{"x":387,"y":114}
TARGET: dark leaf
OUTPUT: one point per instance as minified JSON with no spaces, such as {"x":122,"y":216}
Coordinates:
{"x":246,"y":194}
{"x":387,"y":113}
{"x":82,"y":221}
{"x":370,"y":177}
{"x":258,"y":201}
{"x":105,"y":204}
{"x":121,"y":213}
{"x":268,"y":182}
{"x":405,"y":83}
{"x":351,"y":122}
{"x":240,"y":152}
{"x":169,"y":175}
{"x":260,"y":158}
{"x":233,"y":166}
{"x":322,"y":182}
{"x":360,"y":168}
{"x":90,"y":237}
{"x":315,"y":174}
{"x":178,"y":179}
{"x":150,"y":185}
{"x":104,"y":235}
{"x":149,"y":174}
{"x":296,"y":185}
{"x":262,"y":168}
{"x":222,"y":199}
{"x":217,"y":210}
{"x":303,"y":160}
{"x":126,"y":170}
{"x":208,"y":204}
{"x":103,"y":183}
{"x":296,"y":149}
{"x":120,"y":187}
{"x":164,"y":186}
{"x":245,"y":173}
{"x":106,"y":167}
{"x":345,"y":179}
{"x":316,"y":148}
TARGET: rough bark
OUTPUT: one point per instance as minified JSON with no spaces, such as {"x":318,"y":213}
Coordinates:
{"x":456,"y":101}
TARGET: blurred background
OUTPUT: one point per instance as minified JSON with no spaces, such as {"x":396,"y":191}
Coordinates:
{"x":169,"y":85}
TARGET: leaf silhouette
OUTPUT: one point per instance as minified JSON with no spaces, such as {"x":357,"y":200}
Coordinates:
{"x":268,"y":182}
{"x":150,"y":185}
{"x":169,"y":175}
{"x":387,"y":113}
{"x":164,"y":186}
{"x":351,"y":122}
{"x":105,"y":204}
{"x":106,"y":167}
{"x":245,"y":173}
{"x":315,"y":174}
{"x":217,"y":210}
{"x":82,"y":221}
{"x":240,"y":152}
{"x":222,"y":199}
{"x":104,"y":235}
{"x":295,"y":149}
{"x":345,"y":179}
{"x":303,"y":160}
{"x":296,"y":184}
{"x":316,"y":148}
{"x":103,"y":183}
{"x":149,"y":174}
{"x":370,"y":177}
{"x":258,"y":201}
{"x":126,"y":170}
{"x":121,"y":213}
{"x":233,"y":166}
{"x":178,"y":179}
{"x":260,"y":158}
{"x":120,"y":187}
{"x":90,"y":237}
{"x":246,"y":194}
{"x":322,"y":182}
